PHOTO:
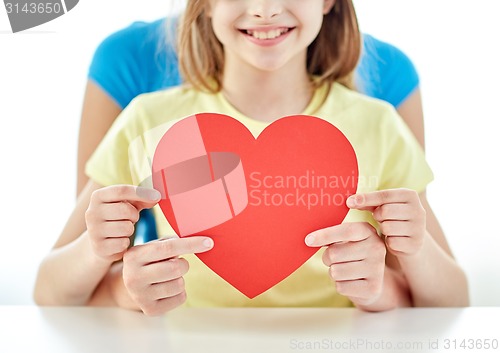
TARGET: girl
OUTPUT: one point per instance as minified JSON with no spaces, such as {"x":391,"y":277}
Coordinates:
{"x":141,"y":58}
{"x":259,"y":60}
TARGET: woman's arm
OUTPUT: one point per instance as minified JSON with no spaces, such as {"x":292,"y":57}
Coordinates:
{"x":412,"y":113}
{"x":98,"y":113}
{"x":70,"y":273}
{"x":61,"y":280}
{"x":437,"y":257}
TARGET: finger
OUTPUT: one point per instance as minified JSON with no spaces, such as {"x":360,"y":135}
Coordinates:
{"x":344,"y":252}
{"x":114,"y":246}
{"x":344,"y":232}
{"x":392,"y":212}
{"x":348,"y":271}
{"x":371,"y":200}
{"x":356,"y":288}
{"x":400,"y":244}
{"x":160,"y":250}
{"x":395,"y":228}
{"x":166,"y":270}
{"x":160,"y":307}
{"x":117,"y":193}
{"x":173,"y":247}
{"x":119,"y":211}
{"x":167,"y":289}
{"x":117,"y":229}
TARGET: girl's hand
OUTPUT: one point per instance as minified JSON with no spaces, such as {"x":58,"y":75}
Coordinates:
{"x":111,"y":216}
{"x":401,"y":217}
{"x":153,"y":272}
{"x":355,"y":255}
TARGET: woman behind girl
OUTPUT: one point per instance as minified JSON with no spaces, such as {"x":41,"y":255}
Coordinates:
{"x":258,"y":61}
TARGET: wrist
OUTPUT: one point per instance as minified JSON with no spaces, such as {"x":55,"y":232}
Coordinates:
{"x":414,"y":260}
{"x":94,"y":260}
{"x":395,"y":293}
{"x":112,"y":291}
{"x":119,"y":292}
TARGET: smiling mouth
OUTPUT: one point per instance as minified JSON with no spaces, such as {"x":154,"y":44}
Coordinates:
{"x":270,"y":34}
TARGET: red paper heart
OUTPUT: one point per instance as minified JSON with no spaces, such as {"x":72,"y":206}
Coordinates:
{"x":256,"y":198}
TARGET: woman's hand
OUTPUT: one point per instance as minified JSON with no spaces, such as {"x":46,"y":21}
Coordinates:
{"x":111,"y":216}
{"x":355,"y":255}
{"x":153,"y":272}
{"x":401,"y":217}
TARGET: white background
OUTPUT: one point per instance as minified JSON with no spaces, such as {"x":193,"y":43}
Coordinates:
{"x":453,"y":43}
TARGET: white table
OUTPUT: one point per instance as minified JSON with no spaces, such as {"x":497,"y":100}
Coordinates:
{"x":95,"y":330}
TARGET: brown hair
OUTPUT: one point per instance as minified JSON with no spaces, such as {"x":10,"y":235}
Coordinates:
{"x":331,"y":57}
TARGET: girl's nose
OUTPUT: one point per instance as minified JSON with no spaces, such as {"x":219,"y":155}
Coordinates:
{"x":265,"y":9}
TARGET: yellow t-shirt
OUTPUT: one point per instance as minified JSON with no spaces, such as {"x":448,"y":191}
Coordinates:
{"x":388,"y":157}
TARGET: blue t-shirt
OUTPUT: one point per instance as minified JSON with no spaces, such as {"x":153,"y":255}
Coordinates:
{"x":385,"y":72}
{"x":138,"y":59}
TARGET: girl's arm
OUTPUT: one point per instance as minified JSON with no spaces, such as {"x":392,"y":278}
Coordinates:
{"x":416,"y":270}
{"x":96,"y":235}
{"x":85,"y":268}
{"x":433,"y":275}
{"x":98,"y":113}
{"x":421,"y":267}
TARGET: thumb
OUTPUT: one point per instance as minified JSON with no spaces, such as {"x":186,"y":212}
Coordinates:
{"x":148,"y":197}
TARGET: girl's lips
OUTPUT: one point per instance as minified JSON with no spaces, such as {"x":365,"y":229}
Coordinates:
{"x":268,"y":36}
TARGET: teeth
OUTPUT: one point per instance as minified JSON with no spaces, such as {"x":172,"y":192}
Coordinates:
{"x":274,"y":33}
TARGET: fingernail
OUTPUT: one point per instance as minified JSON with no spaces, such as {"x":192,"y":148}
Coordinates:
{"x":351,"y":201}
{"x":310,"y":239}
{"x":153,"y":194}
{"x":208,"y":243}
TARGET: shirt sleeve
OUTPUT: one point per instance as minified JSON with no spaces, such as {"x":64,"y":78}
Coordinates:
{"x":385,"y":72}
{"x":113,"y":68}
{"x":137,"y":59}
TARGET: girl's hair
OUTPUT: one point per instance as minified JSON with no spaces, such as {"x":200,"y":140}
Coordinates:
{"x":331,"y":57}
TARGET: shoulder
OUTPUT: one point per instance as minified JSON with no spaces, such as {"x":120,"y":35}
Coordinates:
{"x":360,"y":116}
{"x":385,"y":71}
{"x":385,"y":55}
{"x":381,"y":50}
{"x":128,"y":39}
{"x":347,"y":100}
{"x":134,"y":60}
